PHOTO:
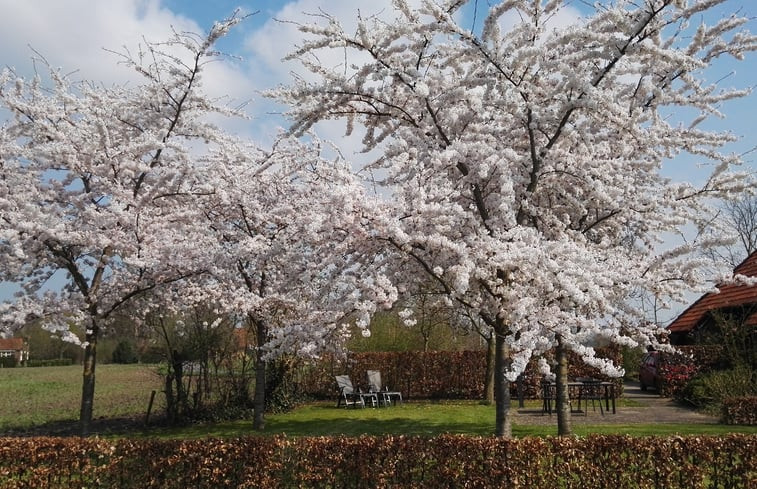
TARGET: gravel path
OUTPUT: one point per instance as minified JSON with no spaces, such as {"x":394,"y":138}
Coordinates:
{"x":652,"y":409}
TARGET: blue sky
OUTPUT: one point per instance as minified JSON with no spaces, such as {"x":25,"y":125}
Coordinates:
{"x":73,"y":34}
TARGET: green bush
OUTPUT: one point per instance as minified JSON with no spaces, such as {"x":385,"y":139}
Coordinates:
{"x":153,"y":354}
{"x":708,"y":390}
{"x":631,"y":360}
{"x":282,"y":393}
{"x":55,"y":362}
{"x":124,"y":353}
{"x":8,"y":362}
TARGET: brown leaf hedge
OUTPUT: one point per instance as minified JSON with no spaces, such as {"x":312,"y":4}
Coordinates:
{"x":740,"y":410}
{"x":448,"y":461}
{"x":430,"y":375}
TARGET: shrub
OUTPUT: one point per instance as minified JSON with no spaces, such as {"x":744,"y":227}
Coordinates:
{"x":631,"y":360}
{"x":55,"y":362}
{"x":282,"y":392}
{"x":675,"y":374}
{"x":124,"y":353}
{"x":740,"y":410}
{"x":677,"y":369}
{"x":382,"y":462}
{"x":8,"y":362}
{"x":432,"y":375}
{"x":708,"y":390}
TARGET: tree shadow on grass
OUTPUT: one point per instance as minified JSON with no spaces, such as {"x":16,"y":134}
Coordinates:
{"x":69,"y":427}
{"x":388,"y":426}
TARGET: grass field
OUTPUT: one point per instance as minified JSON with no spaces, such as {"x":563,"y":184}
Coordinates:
{"x":36,"y":396}
{"x":39,"y":395}
{"x":422,"y":419}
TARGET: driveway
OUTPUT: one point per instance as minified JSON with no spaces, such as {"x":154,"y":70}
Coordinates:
{"x":651,"y":409}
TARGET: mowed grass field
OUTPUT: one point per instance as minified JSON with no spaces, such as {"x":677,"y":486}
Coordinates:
{"x":34,"y":396}
{"x":421,"y":418}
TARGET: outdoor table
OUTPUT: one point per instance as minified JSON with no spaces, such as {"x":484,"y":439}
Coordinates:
{"x":388,"y":395}
{"x":575,"y":390}
{"x":368,"y":398}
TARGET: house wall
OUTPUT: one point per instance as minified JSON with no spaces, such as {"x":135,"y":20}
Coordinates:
{"x":21,"y":356}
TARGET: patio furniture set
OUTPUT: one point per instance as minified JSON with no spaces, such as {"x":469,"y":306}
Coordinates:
{"x":585,"y":390}
{"x":377,"y":395}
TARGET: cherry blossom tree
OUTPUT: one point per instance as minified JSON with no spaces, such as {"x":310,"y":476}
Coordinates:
{"x":96,"y":184}
{"x":293,"y":253}
{"x":524,"y":159}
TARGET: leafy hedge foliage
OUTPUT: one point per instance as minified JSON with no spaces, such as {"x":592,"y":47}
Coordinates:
{"x":56,"y":362}
{"x":430,"y":375}
{"x":708,"y":390}
{"x":677,"y":369}
{"x":8,"y":362}
{"x":740,"y":410}
{"x":381,"y":462}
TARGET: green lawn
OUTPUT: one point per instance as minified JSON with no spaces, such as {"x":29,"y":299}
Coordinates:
{"x":35,"y":396}
{"x":418,"y":418}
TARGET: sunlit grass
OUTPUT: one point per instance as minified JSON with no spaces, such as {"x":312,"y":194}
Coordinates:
{"x":420,"y":419}
{"x":37,"y":395}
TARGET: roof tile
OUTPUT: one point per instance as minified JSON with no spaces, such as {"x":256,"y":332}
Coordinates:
{"x":730,"y":295}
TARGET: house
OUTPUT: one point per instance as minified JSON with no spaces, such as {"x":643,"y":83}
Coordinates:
{"x":14,"y":348}
{"x":734,"y":302}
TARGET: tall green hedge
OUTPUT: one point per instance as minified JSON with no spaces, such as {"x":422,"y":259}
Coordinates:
{"x":615,"y":462}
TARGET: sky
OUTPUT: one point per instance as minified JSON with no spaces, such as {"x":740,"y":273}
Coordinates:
{"x":78,"y":36}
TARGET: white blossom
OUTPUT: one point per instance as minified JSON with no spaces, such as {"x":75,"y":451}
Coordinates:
{"x":524,"y":164}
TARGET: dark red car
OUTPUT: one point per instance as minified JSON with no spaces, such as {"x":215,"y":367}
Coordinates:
{"x":649,"y":370}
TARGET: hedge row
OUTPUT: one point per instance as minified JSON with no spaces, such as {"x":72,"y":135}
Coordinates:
{"x":430,"y":375}
{"x":56,"y":362}
{"x":740,"y":410}
{"x":707,"y":357}
{"x":598,"y":462}
{"x":8,"y":362}
{"x":678,"y":368}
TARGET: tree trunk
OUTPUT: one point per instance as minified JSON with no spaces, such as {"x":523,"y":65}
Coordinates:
{"x":258,"y":422}
{"x":489,"y":374}
{"x":503,"y":423}
{"x":88,"y":379}
{"x":564,"y":427}
{"x":170,"y":400}
{"x":178,"y":373}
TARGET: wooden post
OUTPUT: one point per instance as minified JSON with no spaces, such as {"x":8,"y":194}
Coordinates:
{"x":149,"y":408}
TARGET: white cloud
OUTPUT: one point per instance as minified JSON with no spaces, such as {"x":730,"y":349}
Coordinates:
{"x":280,"y":35}
{"x":74,"y":34}
{"x":77,"y":35}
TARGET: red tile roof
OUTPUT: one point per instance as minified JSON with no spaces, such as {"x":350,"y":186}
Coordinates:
{"x":730,"y":295}
{"x":14,"y":344}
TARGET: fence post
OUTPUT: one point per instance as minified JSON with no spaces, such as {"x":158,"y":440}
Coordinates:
{"x":149,"y":408}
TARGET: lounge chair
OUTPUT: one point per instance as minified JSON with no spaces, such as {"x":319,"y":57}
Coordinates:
{"x":385,"y":396}
{"x":351,"y":396}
